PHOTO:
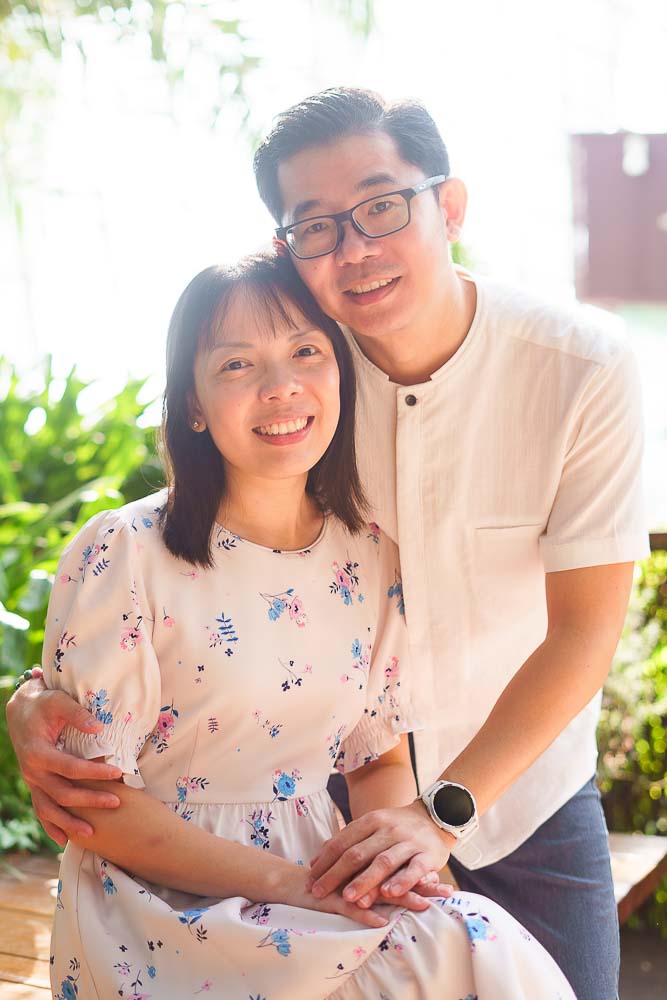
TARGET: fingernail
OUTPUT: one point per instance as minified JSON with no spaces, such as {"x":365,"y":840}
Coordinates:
{"x":364,"y":901}
{"x":317,"y":890}
{"x":112,"y":802}
{"x":349,"y":893}
{"x":309,"y":884}
{"x":91,"y":723}
{"x":386,"y":886}
{"x":395,"y":889}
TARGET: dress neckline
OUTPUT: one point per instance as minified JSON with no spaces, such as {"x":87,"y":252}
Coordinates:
{"x":267,"y":548}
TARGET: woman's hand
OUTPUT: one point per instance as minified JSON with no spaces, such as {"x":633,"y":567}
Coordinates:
{"x":429,"y":886}
{"x":293,"y":891}
{"x":389,"y":850}
{"x":35,"y":720}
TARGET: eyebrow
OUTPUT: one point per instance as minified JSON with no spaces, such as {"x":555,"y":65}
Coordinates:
{"x":246,"y":344}
{"x":375,"y":180}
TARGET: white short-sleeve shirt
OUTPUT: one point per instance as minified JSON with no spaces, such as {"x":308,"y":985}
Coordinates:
{"x":521,"y":456}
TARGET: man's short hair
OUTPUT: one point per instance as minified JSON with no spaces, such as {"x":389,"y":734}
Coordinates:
{"x":338,"y":112}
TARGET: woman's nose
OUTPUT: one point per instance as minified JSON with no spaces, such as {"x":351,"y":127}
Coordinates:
{"x":280,"y":383}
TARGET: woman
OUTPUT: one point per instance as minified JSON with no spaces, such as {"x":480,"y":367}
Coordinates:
{"x":236,"y":636}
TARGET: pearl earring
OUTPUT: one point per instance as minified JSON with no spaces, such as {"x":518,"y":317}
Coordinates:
{"x":195,"y":425}
{"x":453,"y":231}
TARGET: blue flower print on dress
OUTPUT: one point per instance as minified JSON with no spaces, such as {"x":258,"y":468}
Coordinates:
{"x":396,"y":590}
{"x":258,"y":821}
{"x":192,"y":917}
{"x":68,"y":987}
{"x":108,"y":883}
{"x":95,"y":702}
{"x":279,"y":940}
{"x":90,"y":557}
{"x":360,"y":663}
{"x":335,"y":741}
{"x":184,"y":785}
{"x":284,"y":785}
{"x":346,"y":582}
{"x":286,"y":601}
{"x":273,"y":728}
{"x":478,"y":927}
{"x":224,"y":634}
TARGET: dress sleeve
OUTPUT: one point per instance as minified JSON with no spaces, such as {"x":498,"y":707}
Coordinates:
{"x":389,"y":704}
{"x":598,"y":513}
{"x":97,"y":644}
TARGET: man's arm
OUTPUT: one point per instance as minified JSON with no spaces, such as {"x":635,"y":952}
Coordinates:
{"x":586,"y":609}
{"x":35,"y":720}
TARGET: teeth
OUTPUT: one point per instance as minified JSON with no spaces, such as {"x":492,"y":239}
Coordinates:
{"x":290,"y":427}
{"x":358,"y":289}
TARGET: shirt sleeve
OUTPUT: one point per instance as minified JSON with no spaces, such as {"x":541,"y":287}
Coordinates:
{"x":598,"y":513}
{"x":389,"y":709}
{"x":97,"y":644}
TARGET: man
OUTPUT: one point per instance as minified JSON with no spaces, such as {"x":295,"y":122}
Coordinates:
{"x":500,"y":443}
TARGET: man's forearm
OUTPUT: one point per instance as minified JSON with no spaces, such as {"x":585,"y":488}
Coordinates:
{"x":145,"y":837}
{"x":552,"y":686}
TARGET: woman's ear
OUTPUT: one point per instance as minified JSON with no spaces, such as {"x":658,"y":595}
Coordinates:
{"x":197,"y":421}
{"x":453,"y":201}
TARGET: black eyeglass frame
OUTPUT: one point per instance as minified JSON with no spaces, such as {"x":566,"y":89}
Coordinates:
{"x":340,"y":217}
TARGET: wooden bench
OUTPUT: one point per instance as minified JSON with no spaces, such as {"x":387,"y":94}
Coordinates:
{"x":28,"y":894}
{"x":638,"y":864}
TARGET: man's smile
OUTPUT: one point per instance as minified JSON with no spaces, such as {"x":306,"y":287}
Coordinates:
{"x":367,"y":293}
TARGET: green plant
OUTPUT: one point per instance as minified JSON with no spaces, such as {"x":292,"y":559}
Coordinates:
{"x":58,"y":467}
{"x":632,"y":735}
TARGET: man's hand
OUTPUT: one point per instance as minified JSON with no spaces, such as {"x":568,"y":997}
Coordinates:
{"x":393,"y":849}
{"x":35,"y":720}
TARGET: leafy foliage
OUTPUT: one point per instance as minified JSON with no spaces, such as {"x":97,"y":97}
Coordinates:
{"x":632,"y":735}
{"x":53,"y":478}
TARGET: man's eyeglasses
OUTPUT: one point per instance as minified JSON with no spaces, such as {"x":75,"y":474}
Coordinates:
{"x":374,"y":217}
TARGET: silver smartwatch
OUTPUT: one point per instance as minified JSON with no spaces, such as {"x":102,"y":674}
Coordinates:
{"x":452,"y":807}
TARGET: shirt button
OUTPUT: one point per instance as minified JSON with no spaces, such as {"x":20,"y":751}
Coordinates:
{"x":410,"y":400}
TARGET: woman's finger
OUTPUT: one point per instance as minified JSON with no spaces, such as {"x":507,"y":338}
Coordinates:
{"x":370,"y":917}
{"x":441,"y":889}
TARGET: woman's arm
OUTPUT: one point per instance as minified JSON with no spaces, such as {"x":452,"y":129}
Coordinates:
{"x":146,"y":838}
{"x":387,"y":781}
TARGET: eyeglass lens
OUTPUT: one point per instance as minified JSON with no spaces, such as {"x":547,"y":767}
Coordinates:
{"x":378,"y":217}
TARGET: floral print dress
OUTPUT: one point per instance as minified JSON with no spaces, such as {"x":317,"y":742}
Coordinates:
{"x":230,"y":694}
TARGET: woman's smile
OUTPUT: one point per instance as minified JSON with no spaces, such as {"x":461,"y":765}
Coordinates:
{"x":286,"y":431}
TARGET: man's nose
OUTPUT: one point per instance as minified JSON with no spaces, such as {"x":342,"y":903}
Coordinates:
{"x":355,"y":247}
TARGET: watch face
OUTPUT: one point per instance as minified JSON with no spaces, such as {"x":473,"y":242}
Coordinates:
{"x":453,"y":805}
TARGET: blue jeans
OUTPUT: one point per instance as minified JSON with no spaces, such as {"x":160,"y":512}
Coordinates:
{"x":558,"y":884}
